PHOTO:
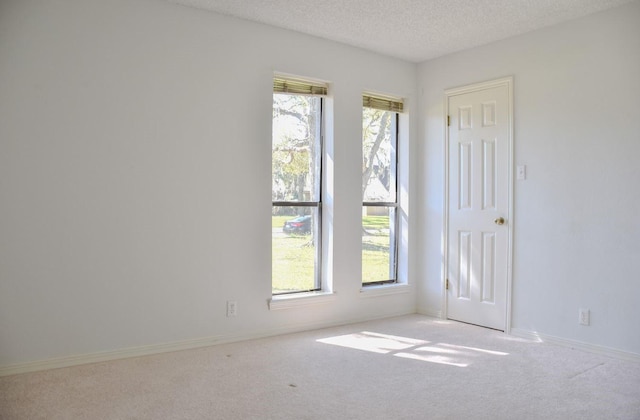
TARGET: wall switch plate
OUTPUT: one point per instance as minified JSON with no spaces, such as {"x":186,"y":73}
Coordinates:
{"x":583,"y":316}
{"x":521,"y":172}
{"x":232,"y":308}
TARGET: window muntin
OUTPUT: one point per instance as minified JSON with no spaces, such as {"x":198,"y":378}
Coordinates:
{"x":379,"y":196}
{"x":296,"y":193}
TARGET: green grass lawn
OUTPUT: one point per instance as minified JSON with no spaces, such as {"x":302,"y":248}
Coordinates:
{"x":293,"y":256}
{"x":293,"y":263}
{"x":278,"y":221}
{"x":375,"y":249}
{"x":375,"y":222}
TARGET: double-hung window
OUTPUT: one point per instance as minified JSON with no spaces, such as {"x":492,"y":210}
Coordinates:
{"x":296,"y":186}
{"x":380,"y":116}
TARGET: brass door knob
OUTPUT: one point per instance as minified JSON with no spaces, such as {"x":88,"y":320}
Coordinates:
{"x":499,"y":221}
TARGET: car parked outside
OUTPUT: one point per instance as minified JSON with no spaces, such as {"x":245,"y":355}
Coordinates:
{"x":299,"y":225}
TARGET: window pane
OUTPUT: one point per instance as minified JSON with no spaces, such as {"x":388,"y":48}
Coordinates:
{"x":379,"y":155}
{"x":378,"y":244}
{"x":296,"y":148}
{"x":294,"y":247}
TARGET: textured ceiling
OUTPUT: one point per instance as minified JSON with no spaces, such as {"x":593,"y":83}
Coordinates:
{"x":414,"y":30}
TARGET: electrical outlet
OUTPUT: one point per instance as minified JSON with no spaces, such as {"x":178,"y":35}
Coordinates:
{"x":232,"y":308}
{"x":583,"y":316}
{"x":521,"y":172}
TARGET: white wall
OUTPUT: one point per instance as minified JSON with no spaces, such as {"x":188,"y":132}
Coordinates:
{"x":135,"y":175}
{"x":576,"y":233}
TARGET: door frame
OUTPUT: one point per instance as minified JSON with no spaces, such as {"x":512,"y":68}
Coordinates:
{"x":448,"y":93}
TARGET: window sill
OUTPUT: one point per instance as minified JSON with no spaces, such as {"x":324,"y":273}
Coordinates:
{"x":300,"y":299}
{"x":383,"y":290}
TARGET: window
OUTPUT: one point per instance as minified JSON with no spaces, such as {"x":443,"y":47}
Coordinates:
{"x":296,"y":186}
{"x":379,"y":189}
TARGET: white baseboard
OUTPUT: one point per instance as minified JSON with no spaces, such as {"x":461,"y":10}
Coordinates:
{"x":579,"y":345}
{"x":82,"y":359}
{"x":61,"y":362}
{"x":433,"y":314}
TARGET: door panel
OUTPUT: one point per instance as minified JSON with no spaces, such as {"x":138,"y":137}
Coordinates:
{"x":478,"y":192}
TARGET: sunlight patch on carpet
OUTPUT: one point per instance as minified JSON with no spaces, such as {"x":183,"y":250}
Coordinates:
{"x":373,"y":342}
{"x":411,"y":348}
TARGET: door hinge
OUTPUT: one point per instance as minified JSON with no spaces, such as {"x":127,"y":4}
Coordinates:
{"x":448,"y":121}
{"x":446,"y":284}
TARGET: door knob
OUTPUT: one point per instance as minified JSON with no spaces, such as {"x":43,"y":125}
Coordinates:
{"x":499,"y":221}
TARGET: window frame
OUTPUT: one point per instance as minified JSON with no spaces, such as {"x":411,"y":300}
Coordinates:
{"x":395,"y":107}
{"x":300,"y":87}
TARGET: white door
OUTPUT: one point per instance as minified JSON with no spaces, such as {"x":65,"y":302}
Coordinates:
{"x":478,"y":188}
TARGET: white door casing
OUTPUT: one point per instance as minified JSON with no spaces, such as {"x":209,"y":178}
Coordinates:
{"x":478,"y":204}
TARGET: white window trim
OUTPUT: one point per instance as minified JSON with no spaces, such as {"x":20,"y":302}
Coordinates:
{"x":385,"y":289}
{"x":296,"y":300}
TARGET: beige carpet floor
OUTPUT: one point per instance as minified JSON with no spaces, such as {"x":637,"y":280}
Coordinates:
{"x":411,"y":367}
